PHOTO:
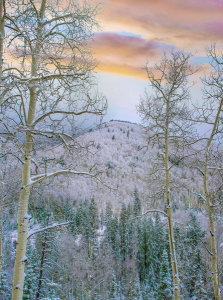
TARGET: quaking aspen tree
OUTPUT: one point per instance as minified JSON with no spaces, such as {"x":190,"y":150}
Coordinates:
{"x":210,"y":166}
{"x":162,"y":114}
{"x":51,"y":83}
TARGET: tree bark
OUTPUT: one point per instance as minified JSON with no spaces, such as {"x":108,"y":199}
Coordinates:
{"x":210,"y":210}
{"x":2,"y":35}
{"x":89,"y":269}
{"x":18,"y":276}
{"x":41,"y":269}
{"x":176,"y":288}
{"x":214,"y":255}
{"x":1,"y":225}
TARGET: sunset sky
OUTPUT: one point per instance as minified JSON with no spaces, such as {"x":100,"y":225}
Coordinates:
{"x":134,"y":32}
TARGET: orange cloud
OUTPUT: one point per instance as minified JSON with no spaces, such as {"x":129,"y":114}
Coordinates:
{"x":122,"y":70}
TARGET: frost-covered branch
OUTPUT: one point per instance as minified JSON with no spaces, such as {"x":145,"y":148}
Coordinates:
{"x":65,"y":113}
{"x":41,"y":177}
{"x":151,"y":211}
{"x":31,"y":233}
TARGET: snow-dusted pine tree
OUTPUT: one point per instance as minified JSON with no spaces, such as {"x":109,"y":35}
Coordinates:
{"x":164,"y":288}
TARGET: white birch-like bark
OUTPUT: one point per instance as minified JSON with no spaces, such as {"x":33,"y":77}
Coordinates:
{"x":162,"y":113}
{"x":210,"y":209}
{"x":55,"y":67}
{"x":1,"y":224}
{"x":176,"y":288}
{"x":2,"y":35}
{"x":18,"y":276}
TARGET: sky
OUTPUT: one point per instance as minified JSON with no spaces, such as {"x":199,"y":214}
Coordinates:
{"x":136,"y":32}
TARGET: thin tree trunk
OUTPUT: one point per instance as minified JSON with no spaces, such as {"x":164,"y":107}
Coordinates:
{"x":2,"y":35}
{"x":170,"y":218}
{"x":132,"y":279}
{"x":63,"y":283}
{"x":89,"y":269}
{"x":72,"y":287}
{"x":1,"y":226}
{"x":214,"y":255}
{"x":210,"y":210}
{"x":18,"y":277}
{"x":58,"y":282}
{"x":41,"y":270}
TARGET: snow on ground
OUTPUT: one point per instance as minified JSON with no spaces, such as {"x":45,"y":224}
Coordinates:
{"x":120,"y":155}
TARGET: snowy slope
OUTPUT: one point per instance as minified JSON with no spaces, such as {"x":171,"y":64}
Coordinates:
{"x":121,"y":156}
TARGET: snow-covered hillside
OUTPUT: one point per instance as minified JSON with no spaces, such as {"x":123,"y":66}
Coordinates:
{"x":119,"y":153}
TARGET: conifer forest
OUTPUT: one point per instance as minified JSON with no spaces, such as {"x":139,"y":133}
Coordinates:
{"x":94,"y":207}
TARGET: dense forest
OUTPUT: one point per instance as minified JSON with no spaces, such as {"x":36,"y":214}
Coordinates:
{"x":102,"y":255}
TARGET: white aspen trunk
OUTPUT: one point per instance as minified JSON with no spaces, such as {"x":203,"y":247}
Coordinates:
{"x":176,"y":283}
{"x":18,"y":276}
{"x":214,"y":255}
{"x":209,"y":203}
{"x":1,"y":225}
{"x":2,"y":35}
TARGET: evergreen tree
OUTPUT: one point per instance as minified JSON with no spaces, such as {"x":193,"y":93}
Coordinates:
{"x":124,"y":233}
{"x":48,"y":251}
{"x":149,"y":289}
{"x":136,"y":292}
{"x":189,"y":250}
{"x":115,"y":289}
{"x":86,"y":219}
{"x":5,"y":288}
{"x":164,"y":288}
{"x":147,"y":247}
{"x":160,"y":242}
{"x":112,"y":232}
{"x":200,"y":292}
{"x":32,"y":274}
{"x":137,"y":203}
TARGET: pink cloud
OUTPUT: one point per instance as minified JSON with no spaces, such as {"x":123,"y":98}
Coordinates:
{"x":215,"y":28}
{"x":167,"y":19}
{"x":125,"y":54}
{"x":157,"y":24}
{"x":126,"y":46}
